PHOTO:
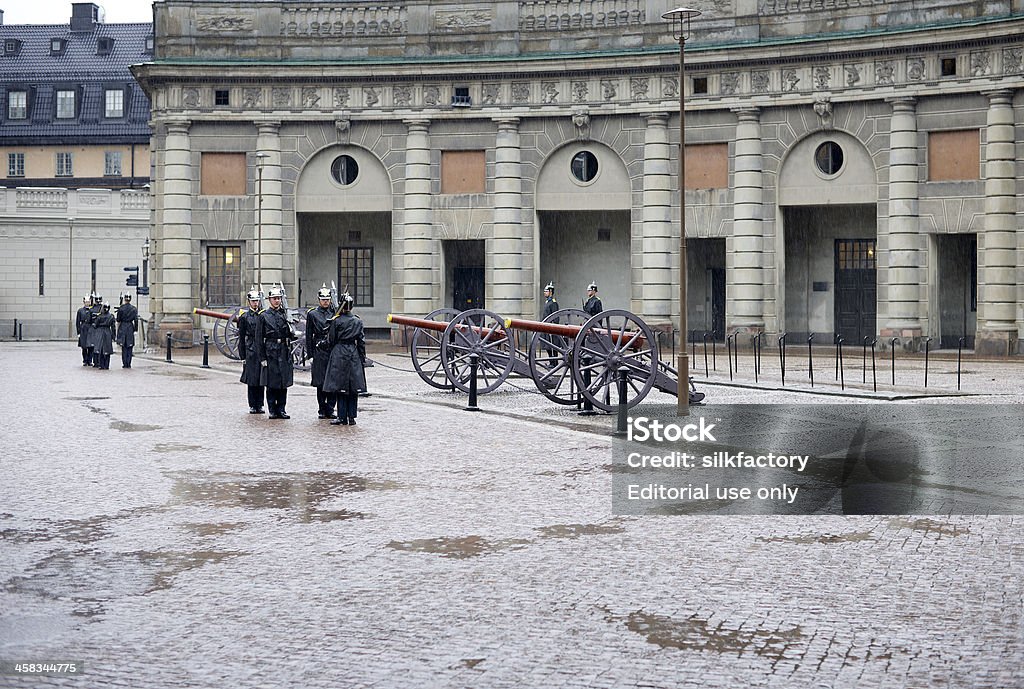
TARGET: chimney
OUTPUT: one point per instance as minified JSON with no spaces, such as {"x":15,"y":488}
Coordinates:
{"x":85,"y":16}
{"x":1,"y":17}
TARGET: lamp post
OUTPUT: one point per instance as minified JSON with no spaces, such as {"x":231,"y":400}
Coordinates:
{"x":261,"y":158}
{"x":71,"y":267}
{"x":680,"y":18}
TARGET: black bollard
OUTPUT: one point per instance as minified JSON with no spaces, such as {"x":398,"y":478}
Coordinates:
{"x":673,"y":345}
{"x":782,"y":357}
{"x":927,"y":343}
{"x":736,"y":349}
{"x":864,"y":360}
{"x":839,"y":362}
{"x":21,"y":331}
{"x":206,"y":351}
{"x":693,"y":350}
{"x":707,"y":372}
{"x":714,"y":353}
{"x":959,"y":353}
{"x":15,"y":333}
{"x":753,"y":352}
{"x":588,"y":406}
{"x":620,"y":423}
{"x":810,"y":358}
{"x":874,"y":374}
{"x":892,"y":358}
{"x":728,"y":353}
{"x":169,"y":348}
{"x":474,"y":361}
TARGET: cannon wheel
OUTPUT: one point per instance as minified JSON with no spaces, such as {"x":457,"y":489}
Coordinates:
{"x":551,"y":358}
{"x":608,"y":341}
{"x":477,"y":332}
{"x":225,"y":335}
{"x":426,"y":351}
{"x":299,"y":358}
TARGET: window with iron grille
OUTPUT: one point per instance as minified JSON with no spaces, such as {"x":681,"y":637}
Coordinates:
{"x":113,"y":103}
{"x":17,"y":105}
{"x":15,"y":164}
{"x":65,"y":167}
{"x":856,"y":254}
{"x":223,"y":275}
{"x":112,"y":164}
{"x":65,"y":104}
{"x":355,"y":271}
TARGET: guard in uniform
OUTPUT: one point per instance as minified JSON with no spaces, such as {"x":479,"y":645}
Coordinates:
{"x":550,"y":305}
{"x":273,"y":342}
{"x":318,"y":326}
{"x":84,"y":329}
{"x":345,"y":374}
{"x":592,"y":304}
{"x":127,"y":323}
{"x":248,"y":324}
{"x":103,"y":337}
{"x":97,"y":309}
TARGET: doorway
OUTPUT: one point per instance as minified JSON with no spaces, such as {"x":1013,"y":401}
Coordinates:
{"x":855,"y":273}
{"x":958,"y":289}
{"x":464,"y":272}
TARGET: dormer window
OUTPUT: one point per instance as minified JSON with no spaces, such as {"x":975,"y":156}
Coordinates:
{"x":11,"y":46}
{"x":104,"y":46}
{"x":150,"y":41}
{"x":58,"y":46}
{"x":17,"y":105}
{"x":65,"y":104}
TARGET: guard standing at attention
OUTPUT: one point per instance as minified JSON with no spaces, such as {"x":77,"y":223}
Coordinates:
{"x":103,"y":337}
{"x":84,"y":329}
{"x":97,"y":309}
{"x":275,"y":353}
{"x":592,"y":304}
{"x":318,"y":326}
{"x":550,"y":305}
{"x":127,"y":323}
{"x":345,"y":375}
{"x":248,"y":323}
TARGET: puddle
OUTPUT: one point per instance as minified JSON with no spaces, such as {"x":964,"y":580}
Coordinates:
{"x":85,"y":399}
{"x":930,"y":526}
{"x":176,"y":447}
{"x":695,"y":634}
{"x":126,"y":427}
{"x":577,"y":530}
{"x":459,"y":548}
{"x":181,"y":375}
{"x":214,"y":529}
{"x":471,"y":662}
{"x":852,"y":537}
{"x":84,"y":531}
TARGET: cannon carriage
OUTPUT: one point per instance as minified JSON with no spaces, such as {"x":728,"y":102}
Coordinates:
{"x":571,"y":357}
{"x":225,"y":333}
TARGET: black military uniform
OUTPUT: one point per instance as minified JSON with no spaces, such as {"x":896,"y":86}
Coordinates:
{"x":318,"y":325}
{"x":248,"y":325}
{"x":127,"y":323}
{"x":345,"y":375}
{"x":550,"y":305}
{"x":103,"y":337}
{"x":94,"y":313}
{"x":84,"y":330}
{"x":593,"y":305}
{"x":273,"y":343}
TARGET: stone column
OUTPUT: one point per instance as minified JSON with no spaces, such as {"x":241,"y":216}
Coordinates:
{"x":268,"y":203}
{"x":746,"y":278}
{"x":903,"y":269}
{"x":659,"y":246}
{"x":419,"y":246}
{"x":507,"y":246}
{"x":997,"y":334}
{"x":175,"y":227}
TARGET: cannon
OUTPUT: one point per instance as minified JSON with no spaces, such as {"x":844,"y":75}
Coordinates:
{"x":225,"y":333}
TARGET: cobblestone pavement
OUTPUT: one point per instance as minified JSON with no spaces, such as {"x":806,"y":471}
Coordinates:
{"x":156,"y":532}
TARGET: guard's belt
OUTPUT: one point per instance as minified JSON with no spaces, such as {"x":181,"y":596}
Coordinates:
{"x":348,"y":340}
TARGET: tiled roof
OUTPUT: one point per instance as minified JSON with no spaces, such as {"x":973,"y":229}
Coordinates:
{"x":35,"y":70}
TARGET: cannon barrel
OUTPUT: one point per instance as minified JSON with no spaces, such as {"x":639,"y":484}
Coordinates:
{"x":438,"y":326}
{"x":214,"y":314}
{"x":635,"y":338}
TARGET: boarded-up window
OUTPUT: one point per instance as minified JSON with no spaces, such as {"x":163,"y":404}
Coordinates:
{"x":463,"y":172}
{"x":222,"y":174}
{"x":954,"y":155}
{"x":707,"y":166}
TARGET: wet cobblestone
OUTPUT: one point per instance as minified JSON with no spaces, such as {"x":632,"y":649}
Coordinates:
{"x":152,"y":529}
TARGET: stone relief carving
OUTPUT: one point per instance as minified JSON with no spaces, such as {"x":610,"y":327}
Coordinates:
{"x":432,"y":95}
{"x":884,"y":72}
{"x":638,"y":87}
{"x":310,"y":97}
{"x":823,"y":109}
{"x":341,"y":96}
{"x":520,"y":92}
{"x":915,"y":69}
{"x":371,"y":95}
{"x":822,"y":77}
{"x":579,"y":92}
{"x":981,"y":64}
{"x":852,"y":74}
{"x":581,"y":120}
{"x":730,"y":83}
{"x":760,"y":82}
{"x":609,"y":89}
{"x":403,"y":95}
{"x":281,"y":97}
{"x":669,"y":87}
{"x":223,"y":23}
{"x":465,"y":19}
{"x":190,"y":97}
{"x":252,"y":97}
{"x":789,"y":80}
{"x":348,"y":20}
{"x":1013,"y":60}
{"x":491,"y":94}
{"x":549,"y":92}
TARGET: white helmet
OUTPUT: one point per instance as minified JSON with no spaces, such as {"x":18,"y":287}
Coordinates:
{"x":277,"y":291}
{"x":254,"y":295}
{"x":323,"y":292}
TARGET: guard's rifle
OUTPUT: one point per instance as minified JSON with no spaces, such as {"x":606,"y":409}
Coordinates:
{"x":335,"y":304}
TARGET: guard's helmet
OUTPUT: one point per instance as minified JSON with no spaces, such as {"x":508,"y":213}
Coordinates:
{"x":276,"y":292}
{"x":347,"y":300}
{"x":550,"y":287}
{"x":97,"y":299}
{"x":592,"y":286}
{"x":253,"y":295}
{"x":106,"y":306}
{"x":323,"y":293}
{"x":87,"y":297}
{"x":128,"y":296}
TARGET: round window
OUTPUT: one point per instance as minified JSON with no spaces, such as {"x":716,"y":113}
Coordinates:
{"x":584,"y":166}
{"x":829,"y":158}
{"x":344,"y":169}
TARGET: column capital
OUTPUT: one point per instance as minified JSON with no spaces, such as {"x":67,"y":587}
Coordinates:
{"x":747,"y":113}
{"x":507,"y":124}
{"x":657,"y":119}
{"x":418,"y":124}
{"x":902,"y":103}
{"x":177,"y":125}
{"x":999,"y":97}
{"x":268,"y":126}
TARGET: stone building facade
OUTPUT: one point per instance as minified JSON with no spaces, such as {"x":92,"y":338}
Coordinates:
{"x":852,"y":168}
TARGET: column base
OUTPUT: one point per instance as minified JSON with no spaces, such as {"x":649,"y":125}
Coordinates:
{"x":996,"y":343}
{"x":180,"y":328}
{"x":908,"y":339}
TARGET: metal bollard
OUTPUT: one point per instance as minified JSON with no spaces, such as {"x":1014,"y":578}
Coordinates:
{"x":693,"y":350}
{"x":474,"y":362}
{"x":206,"y":351}
{"x":169,"y":348}
{"x":21,"y":331}
{"x":810,"y":358}
{"x":839,"y":363}
{"x":15,"y":333}
{"x":927,"y":344}
{"x":892,"y":358}
{"x":707,"y":372}
{"x":754,"y":341}
{"x":736,"y":349}
{"x":959,"y":353}
{"x":728,"y":353}
{"x":782,"y":357}
{"x":588,"y":406}
{"x":864,"y":360}
{"x":620,"y":424}
{"x":714,"y":353}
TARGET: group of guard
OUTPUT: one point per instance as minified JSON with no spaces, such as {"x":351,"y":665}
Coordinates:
{"x":334,"y":337}
{"x":98,"y":330}
{"x":592,"y":304}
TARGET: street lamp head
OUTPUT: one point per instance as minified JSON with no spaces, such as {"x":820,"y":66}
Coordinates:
{"x":261,"y":157}
{"x":680,"y":18}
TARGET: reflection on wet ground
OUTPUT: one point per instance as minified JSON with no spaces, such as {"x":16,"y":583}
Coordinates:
{"x":83,"y":531}
{"x":474,"y":546}
{"x":126,"y":427}
{"x":214,"y":529}
{"x":930,"y":526}
{"x":807,"y":539}
{"x":175,"y":447}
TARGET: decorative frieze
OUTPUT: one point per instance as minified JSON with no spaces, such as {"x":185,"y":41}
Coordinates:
{"x":464,"y":19}
{"x":769,"y":7}
{"x":563,"y":15}
{"x":366,"y":20}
